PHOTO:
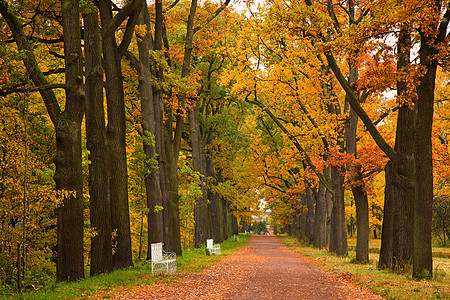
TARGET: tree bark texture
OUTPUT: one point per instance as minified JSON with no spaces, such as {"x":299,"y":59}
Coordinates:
{"x":362,"y":224}
{"x":215,"y":207}
{"x":172,"y":139}
{"x":161,"y":148}
{"x":68,"y":156}
{"x":387,"y":231}
{"x":298,"y":227}
{"x":310,"y":221}
{"x":338,"y":239}
{"x":172,"y":234}
{"x":203,"y":228}
{"x":122,"y":256}
{"x":149,"y":126}
{"x":100,"y":205}
{"x":359,"y":195}
{"x":320,"y":217}
{"x":403,"y":169}
{"x":329,"y":206}
{"x":423,"y":200}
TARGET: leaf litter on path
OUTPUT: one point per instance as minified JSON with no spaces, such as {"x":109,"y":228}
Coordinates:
{"x":264,"y":269}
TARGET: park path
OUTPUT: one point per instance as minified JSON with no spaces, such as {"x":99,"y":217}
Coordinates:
{"x":264,"y":269}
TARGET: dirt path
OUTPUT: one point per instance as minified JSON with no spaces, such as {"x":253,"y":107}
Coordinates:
{"x":264,"y":269}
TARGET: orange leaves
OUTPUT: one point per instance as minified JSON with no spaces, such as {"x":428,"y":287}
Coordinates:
{"x":140,"y":30}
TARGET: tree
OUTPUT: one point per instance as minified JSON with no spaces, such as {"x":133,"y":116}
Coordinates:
{"x":99,"y":175}
{"x":432,"y":32}
{"x":68,"y":175}
{"x":115,"y":132}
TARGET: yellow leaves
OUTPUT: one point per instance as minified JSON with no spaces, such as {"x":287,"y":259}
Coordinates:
{"x":157,"y":208}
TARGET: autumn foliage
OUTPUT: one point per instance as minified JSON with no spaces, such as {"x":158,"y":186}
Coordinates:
{"x":257,"y":112}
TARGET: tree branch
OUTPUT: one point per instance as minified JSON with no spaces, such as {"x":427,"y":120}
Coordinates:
{"x":213,"y":16}
{"x":293,"y":140}
{"x":30,"y":62}
{"x":129,"y":30}
{"x":118,"y":19}
{"x":356,"y":106}
{"x":31,"y":90}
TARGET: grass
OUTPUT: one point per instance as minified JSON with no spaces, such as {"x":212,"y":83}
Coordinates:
{"x":382,"y":282}
{"x":193,"y":260}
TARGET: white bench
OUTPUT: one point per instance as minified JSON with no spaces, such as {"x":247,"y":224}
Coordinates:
{"x":162,"y":261}
{"x":211,"y":248}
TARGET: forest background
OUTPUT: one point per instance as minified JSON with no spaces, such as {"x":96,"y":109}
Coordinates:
{"x":127,"y":123}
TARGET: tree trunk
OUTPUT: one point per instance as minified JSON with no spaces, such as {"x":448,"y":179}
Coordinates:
{"x":100,"y":209}
{"x":117,"y":145}
{"x":216,"y":209}
{"x":359,"y":195}
{"x":202,"y":217}
{"x":362,"y":224}
{"x":387,"y":231}
{"x":423,"y":200}
{"x":70,"y":261}
{"x":68,"y":174}
{"x":338,"y":239}
{"x":319,"y":236}
{"x":229,"y":222}
{"x":329,"y":205}
{"x":397,"y":236}
{"x":403,"y":168}
{"x":68,"y":157}
{"x":403,"y":193}
{"x":299,"y":222}
{"x":309,"y":202}
{"x":160,"y":129}
{"x":149,"y":129}
{"x":173,"y":235}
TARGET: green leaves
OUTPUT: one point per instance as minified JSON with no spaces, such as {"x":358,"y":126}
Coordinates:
{"x":87,"y":7}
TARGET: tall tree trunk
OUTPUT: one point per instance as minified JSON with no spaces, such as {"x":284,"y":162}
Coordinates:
{"x":423,"y":200}
{"x":309,"y":202}
{"x":173,"y":235}
{"x":172,"y":143}
{"x":362,"y":224}
{"x":68,"y":174}
{"x":299,"y":221}
{"x":387,"y":229}
{"x":160,"y":129}
{"x":336,"y":225}
{"x":403,"y":168}
{"x":359,"y":195}
{"x":122,"y":256}
{"x":100,"y":207}
{"x":397,"y":235}
{"x":202,"y":218}
{"x":319,"y":236}
{"x":68,"y":157}
{"x":235,"y":225}
{"x":68,"y":177}
{"x":216,"y":209}
{"x":338,"y":239}
{"x":229,"y":217}
{"x":149,"y":129}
